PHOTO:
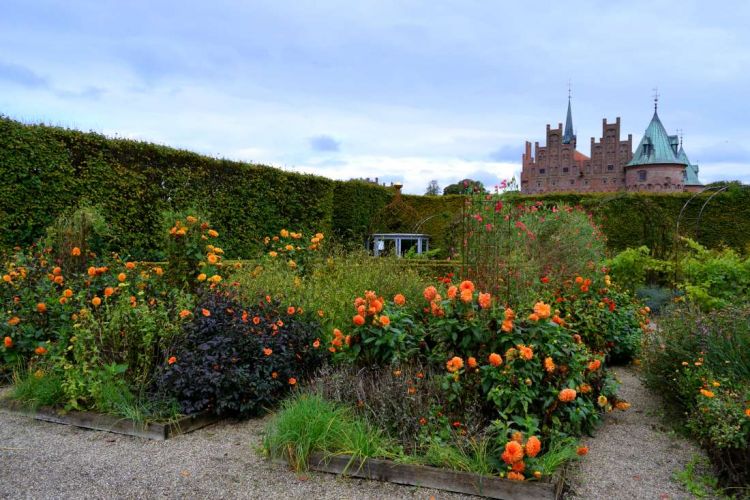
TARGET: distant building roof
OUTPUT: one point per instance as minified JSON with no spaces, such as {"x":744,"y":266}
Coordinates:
{"x":691,"y":171}
{"x":578,"y":156}
{"x":569,"y":136}
{"x":656,"y":146}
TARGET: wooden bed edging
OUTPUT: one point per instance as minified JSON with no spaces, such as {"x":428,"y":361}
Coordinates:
{"x":433,"y":477}
{"x":109,"y":423}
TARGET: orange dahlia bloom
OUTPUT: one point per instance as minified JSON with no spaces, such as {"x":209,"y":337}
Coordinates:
{"x":594,"y":365}
{"x":707,"y":393}
{"x":430,"y":293}
{"x":57,"y":271}
{"x":549,"y":364}
{"x":517,"y":437}
{"x":109,"y":291}
{"x":567,"y":395}
{"x":622,"y":405}
{"x":452,"y":292}
{"x":510,"y":315}
{"x":454,"y":364}
{"x":399,"y":299}
{"x":513,"y":452}
{"x":316,"y":344}
{"x":206,"y":312}
{"x":533,"y":446}
{"x":212,"y":233}
{"x":122,"y":277}
{"x":184,"y":313}
{"x":466,"y":285}
{"x":41,"y":308}
{"x":14,"y":321}
{"x":747,"y":412}
{"x":75,"y":252}
{"x":256,"y":320}
{"x":582,"y":450}
{"x":292,"y":381}
{"x":96,"y":301}
{"x":518,"y":467}
{"x":290,"y":310}
{"x":130,"y":265}
{"x":533,"y":317}
{"x":507,"y":326}
{"x":525,"y":352}
{"x":579,"y":280}
{"x":68,"y":293}
{"x":472,"y":362}
{"x":8,"y":342}
{"x":485,"y":299}
{"x":515,"y":476}
{"x":63,"y":301}
{"x":542,"y":310}
{"x":267,"y":351}
{"x":495,"y":359}
{"x":385,"y":321}
{"x":467,"y":295}
{"x":585,"y":388}
{"x":59,"y":280}
{"x":358,"y":320}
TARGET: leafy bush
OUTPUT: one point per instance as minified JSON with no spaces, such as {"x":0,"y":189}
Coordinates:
{"x":701,"y":362}
{"x":239,"y":360}
{"x":190,"y":258}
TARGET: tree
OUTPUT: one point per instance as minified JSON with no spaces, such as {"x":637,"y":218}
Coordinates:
{"x":465,"y":186}
{"x":433,"y":188}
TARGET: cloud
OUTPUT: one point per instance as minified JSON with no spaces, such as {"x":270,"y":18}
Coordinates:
{"x":724,"y":152}
{"x":21,"y":75}
{"x":507,"y":153}
{"x":324,"y":143}
{"x":92,"y":93}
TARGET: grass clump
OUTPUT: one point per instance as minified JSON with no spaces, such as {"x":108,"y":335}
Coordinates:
{"x":308,"y":423}
{"x":37,"y":389}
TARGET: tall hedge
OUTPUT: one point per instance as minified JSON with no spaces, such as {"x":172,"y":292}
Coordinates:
{"x":46,"y":170}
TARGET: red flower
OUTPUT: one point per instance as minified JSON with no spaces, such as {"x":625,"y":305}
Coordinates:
{"x":172,"y":360}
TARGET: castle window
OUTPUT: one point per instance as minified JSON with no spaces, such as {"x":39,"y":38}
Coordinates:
{"x":572,"y":181}
{"x":541,"y":170}
{"x":604,"y":181}
{"x":641,"y":175}
{"x":565,"y":170}
{"x":610,"y":167}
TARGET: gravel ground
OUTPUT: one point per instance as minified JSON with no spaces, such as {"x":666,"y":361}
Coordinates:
{"x":45,"y":460}
{"x":633,"y":454}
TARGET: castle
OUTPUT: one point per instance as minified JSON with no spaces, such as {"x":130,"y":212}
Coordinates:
{"x":659,"y":163}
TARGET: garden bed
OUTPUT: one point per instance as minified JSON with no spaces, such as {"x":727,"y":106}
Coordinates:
{"x":437,"y":478}
{"x":108,"y":423}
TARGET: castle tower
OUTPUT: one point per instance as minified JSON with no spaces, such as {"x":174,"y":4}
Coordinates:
{"x":659,"y":163}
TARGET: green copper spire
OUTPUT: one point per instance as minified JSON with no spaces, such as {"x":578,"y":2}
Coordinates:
{"x":656,"y":146}
{"x":569,"y":136}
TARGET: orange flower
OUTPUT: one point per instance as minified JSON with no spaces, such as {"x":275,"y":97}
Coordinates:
{"x":533,"y":317}
{"x":472,"y":362}
{"x":585,"y":388}
{"x":212,"y":233}
{"x":68,"y":293}
{"x":579,"y":280}
{"x":57,"y":271}
{"x":399,"y":299}
{"x":172,"y":360}
{"x":485,"y":299}
{"x":411,"y":390}
{"x":321,"y":313}
{"x":40,"y":351}
{"x":158,"y":271}
{"x":549,"y":365}
{"x":109,"y":291}
{"x":594,"y":365}
{"x":8,"y":342}
{"x":290,"y":310}
{"x":7,"y":278}
{"x":454,"y":364}
{"x":316,"y":344}
{"x":542,"y":310}
{"x":526,"y":352}
{"x":212,"y":258}
{"x":430,"y":293}
{"x":582,"y":450}
{"x":567,"y":395}
{"x":510,"y":315}
{"x":533,"y":446}
{"x":466,"y":285}
{"x":267,"y":351}
{"x":14,"y":321}
{"x":256,"y":320}
{"x":495,"y":359}
{"x":202,"y":277}
{"x":75,"y":252}
{"x":601,"y":400}
{"x":358,"y":320}
{"x":422,"y":421}
{"x":91,"y":271}
{"x":622,"y":405}
{"x":707,"y":393}
{"x":518,"y":467}
{"x":515,"y":476}
{"x":513,"y":452}
{"x":59,"y":280}
{"x":122,"y":277}
{"x":41,"y":308}
{"x":385,"y":321}
{"x":184,"y":313}
{"x":507,"y":326}
{"x":130,"y":265}
{"x":96,"y":301}
{"x":292,"y":381}
{"x":747,"y":412}
{"x":452,"y":291}
{"x":467,"y":296}
{"x":274,"y":375}
{"x":517,"y":437}
{"x":206,"y":312}
{"x":63,"y":301}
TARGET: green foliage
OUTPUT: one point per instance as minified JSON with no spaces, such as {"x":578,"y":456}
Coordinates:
{"x":34,"y":389}
{"x":465,"y":186}
{"x":701,"y":362}
{"x":700,"y":484}
{"x":631,"y":267}
{"x":307,"y":424}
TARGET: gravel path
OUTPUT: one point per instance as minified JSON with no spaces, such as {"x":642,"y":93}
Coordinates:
{"x":633,"y":454}
{"x":45,"y":460}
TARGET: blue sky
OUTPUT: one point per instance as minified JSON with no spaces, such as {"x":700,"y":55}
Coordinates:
{"x":405,"y":91}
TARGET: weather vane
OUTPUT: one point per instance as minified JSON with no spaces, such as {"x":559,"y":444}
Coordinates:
{"x":656,"y":98}
{"x":569,"y":89}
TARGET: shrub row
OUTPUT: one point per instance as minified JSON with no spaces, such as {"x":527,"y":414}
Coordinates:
{"x":50,"y":169}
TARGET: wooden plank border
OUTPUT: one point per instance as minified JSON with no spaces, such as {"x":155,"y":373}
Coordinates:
{"x":437,"y":478}
{"x":109,"y":423}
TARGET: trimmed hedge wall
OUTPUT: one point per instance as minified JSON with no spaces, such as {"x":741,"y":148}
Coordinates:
{"x":46,"y":170}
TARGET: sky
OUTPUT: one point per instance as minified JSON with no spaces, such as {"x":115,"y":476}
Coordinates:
{"x":405,"y":91}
